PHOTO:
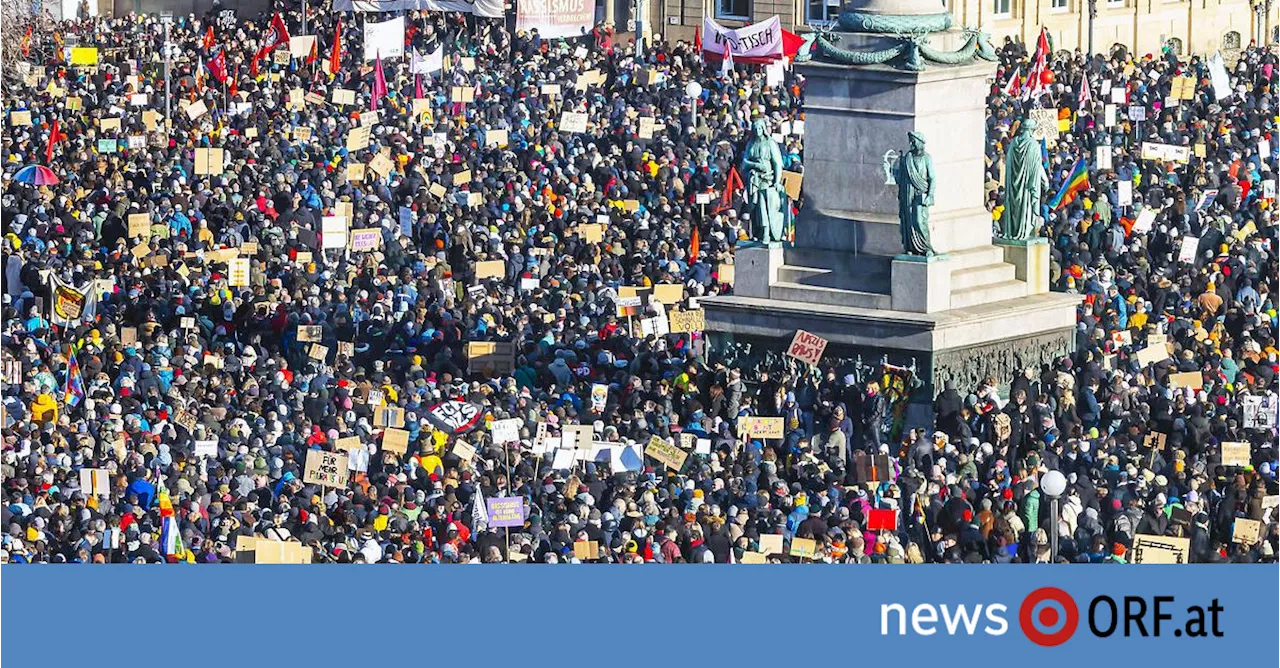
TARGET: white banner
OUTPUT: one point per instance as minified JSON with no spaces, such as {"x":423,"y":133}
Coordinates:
{"x":760,"y":40}
{"x":554,"y":19}
{"x":432,"y":63}
{"x":1218,"y":77}
{"x":385,"y":40}
{"x":487,"y":8}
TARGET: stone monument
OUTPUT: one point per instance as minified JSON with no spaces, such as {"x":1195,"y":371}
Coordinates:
{"x":894,"y":257}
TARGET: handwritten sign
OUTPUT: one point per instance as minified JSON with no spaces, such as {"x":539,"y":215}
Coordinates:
{"x":1246,"y":531}
{"x":666,"y":453}
{"x":366,"y":239}
{"x":505,"y":511}
{"x":395,"y":440}
{"x":694,"y":320}
{"x":756,"y":426}
{"x":1149,"y":549}
{"x":573,"y":121}
{"x":806,"y":347}
{"x":1236,"y":453}
{"x":804,"y":548}
{"x":328,"y":469}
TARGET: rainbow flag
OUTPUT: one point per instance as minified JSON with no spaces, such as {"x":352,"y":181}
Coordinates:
{"x":74,"y":390}
{"x":1076,"y":181}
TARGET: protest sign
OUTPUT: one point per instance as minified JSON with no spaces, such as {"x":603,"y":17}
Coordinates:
{"x":505,"y":511}
{"x":343,"y":96}
{"x":1260,"y":412}
{"x":756,"y":426}
{"x":1187,"y":251}
{"x":687,"y":321}
{"x":206,"y":448}
{"x":384,"y":40}
{"x":326,"y":468}
{"x":366,"y":239}
{"x":490,"y":269}
{"x":586,"y":550}
{"x":1152,"y":355}
{"x":659,"y":449}
{"x":238,"y":269}
{"x":350,"y":443}
{"x":1149,"y":549}
{"x":806,"y":347}
{"x":1190,"y":379}
{"x":395,"y":440}
{"x":505,"y":431}
{"x":771,"y":543}
{"x":491,"y":357}
{"x":749,"y":557}
{"x":388,"y":416}
{"x":209,"y":161}
{"x":1124,"y":193}
{"x":1236,"y":453}
{"x":139,"y":225}
{"x":95,"y":483}
{"x":573,"y":121}
{"x":1246,"y":531}
{"x":882,"y":520}
{"x":333,"y":232}
{"x":805,"y":548}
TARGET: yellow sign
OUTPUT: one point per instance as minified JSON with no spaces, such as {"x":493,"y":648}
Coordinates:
{"x":84,"y":55}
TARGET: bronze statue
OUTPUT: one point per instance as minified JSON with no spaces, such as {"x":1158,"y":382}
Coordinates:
{"x":916,"y":185}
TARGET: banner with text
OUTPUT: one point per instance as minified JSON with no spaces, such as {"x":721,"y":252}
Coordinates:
{"x":491,"y":9}
{"x":555,"y":18}
{"x":761,"y":40}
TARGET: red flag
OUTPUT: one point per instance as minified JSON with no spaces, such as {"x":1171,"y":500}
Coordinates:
{"x":731,"y":186}
{"x":335,"y":55}
{"x":55,"y":136}
{"x":379,"y":84}
{"x":315,"y":51}
{"x":218,"y":66}
{"x":697,"y":39}
{"x":791,"y":44}
{"x":695,"y":242}
{"x":208,"y":38}
{"x":1014,"y":86}
{"x":417,"y":86}
{"x":26,"y":43}
{"x":278,"y":34}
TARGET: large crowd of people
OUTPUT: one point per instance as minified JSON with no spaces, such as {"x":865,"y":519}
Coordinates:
{"x":201,"y":306}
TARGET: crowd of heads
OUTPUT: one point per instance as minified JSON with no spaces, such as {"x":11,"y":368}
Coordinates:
{"x":224,"y":337}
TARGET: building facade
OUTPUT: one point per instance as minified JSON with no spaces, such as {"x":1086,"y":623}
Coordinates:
{"x":1189,"y":26}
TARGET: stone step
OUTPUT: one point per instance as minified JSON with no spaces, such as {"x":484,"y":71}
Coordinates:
{"x":985,"y":294}
{"x":827,"y":278}
{"x":814,"y":294}
{"x":839,"y":261}
{"x":975,"y":257}
{"x":984,"y":274}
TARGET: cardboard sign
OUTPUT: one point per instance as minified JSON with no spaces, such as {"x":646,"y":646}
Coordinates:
{"x":749,"y":557}
{"x":209,"y":161}
{"x":694,"y":320}
{"x":462,"y":94}
{"x":771,"y":543}
{"x":804,"y":548}
{"x":1153,"y":355}
{"x":585,"y":550}
{"x":1187,"y":251}
{"x":388,"y":416}
{"x":666,"y":453}
{"x":1149,"y":549}
{"x":382,"y":165}
{"x":464,"y":451}
{"x":95,"y":483}
{"x":505,"y":431}
{"x":791,"y":182}
{"x":1236,"y":453}
{"x":302,"y":133}
{"x":668,"y":293}
{"x":343,"y":96}
{"x":806,"y":347}
{"x":1191,"y":379}
{"x":358,"y":138}
{"x":239,"y":272}
{"x":310,"y":333}
{"x":349,"y":443}
{"x":499,"y":138}
{"x":254,"y":550}
{"x":355,"y":173}
{"x":592,"y":233}
{"x":491,"y":269}
{"x":318,"y":352}
{"x":1246,"y":531}
{"x":646,"y":127}
{"x":128,"y":336}
{"x":328,"y":469}
{"x":491,"y":357}
{"x":139,"y":225}
{"x":462,"y":178}
{"x":395,"y":440}
{"x":366,"y":239}
{"x":197,"y":109}
{"x":573,"y":121}
{"x":300,"y":47}
{"x":726,"y":273}
{"x":756,"y":426}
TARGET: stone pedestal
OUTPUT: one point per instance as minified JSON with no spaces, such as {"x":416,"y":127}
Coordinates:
{"x":921,"y":284}
{"x":756,"y":268}
{"x":974,"y":310}
{"x":1030,"y":260}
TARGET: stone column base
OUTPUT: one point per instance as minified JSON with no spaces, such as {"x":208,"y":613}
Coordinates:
{"x":1030,"y":259}
{"x":756,"y":268}
{"x":921,"y":284}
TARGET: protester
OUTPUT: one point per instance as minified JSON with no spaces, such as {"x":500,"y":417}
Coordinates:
{"x":155,"y":412}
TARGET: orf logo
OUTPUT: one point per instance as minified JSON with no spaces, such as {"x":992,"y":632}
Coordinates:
{"x":1048,"y":616}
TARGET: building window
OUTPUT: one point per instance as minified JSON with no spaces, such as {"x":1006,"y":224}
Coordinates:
{"x":1060,"y":5}
{"x":822,"y":12}
{"x":1231,"y":40}
{"x":733,"y":9}
{"x":1117,"y":3}
{"x":1002,"y":8}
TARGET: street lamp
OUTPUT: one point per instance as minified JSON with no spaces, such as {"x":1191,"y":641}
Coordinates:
{"x":694,"y":91}
{"x":1054,"y":484}
{"x":1093,"y":11}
